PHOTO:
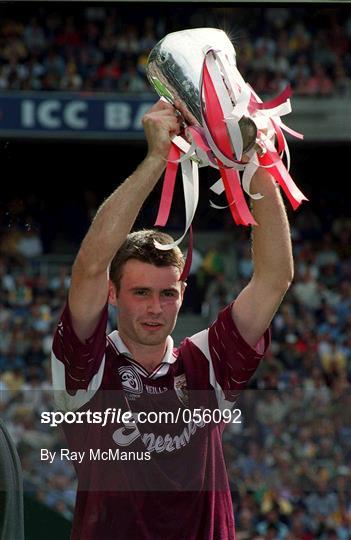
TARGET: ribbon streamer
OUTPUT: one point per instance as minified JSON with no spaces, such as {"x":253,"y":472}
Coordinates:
{"x":225,"y":98}
{"x":190,"y":175}
{"x":168,"y":187}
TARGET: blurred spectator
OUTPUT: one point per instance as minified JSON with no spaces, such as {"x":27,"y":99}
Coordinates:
{"x":29,"y":244}
{"x":322,"y":502}
{"x":71,"y":79}
{"x":131,"y":81}
{"x":218,"y":294}
{"x":34,"y":36}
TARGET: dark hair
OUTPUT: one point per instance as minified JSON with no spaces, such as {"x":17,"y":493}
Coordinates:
{"x":140,"y":245}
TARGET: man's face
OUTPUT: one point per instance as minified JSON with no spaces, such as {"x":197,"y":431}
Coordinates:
{"x":148,"y":302}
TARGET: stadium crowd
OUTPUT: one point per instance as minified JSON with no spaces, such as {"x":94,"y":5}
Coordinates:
{"x":97,"y":48}
{"x":290,"y":462}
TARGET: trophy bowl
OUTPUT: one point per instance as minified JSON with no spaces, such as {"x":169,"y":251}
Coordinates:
{"x":175,"y":66}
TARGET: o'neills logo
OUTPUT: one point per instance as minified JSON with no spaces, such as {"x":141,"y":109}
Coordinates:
{"x":131,"y":381}
{"x":124,"y":436}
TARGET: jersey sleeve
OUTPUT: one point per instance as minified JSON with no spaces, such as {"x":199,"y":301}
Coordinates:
{"x":77,"y":367}
{"x":232,"y":361}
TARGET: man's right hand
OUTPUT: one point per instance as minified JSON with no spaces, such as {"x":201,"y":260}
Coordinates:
{"x":160,"y":124}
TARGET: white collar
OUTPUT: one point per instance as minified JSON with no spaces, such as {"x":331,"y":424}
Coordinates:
{"x":122,"y":348}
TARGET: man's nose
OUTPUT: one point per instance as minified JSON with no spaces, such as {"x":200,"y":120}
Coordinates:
{"x":154,"y":305}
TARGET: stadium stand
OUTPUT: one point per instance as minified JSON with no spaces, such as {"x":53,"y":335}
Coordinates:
{"x":90,"y":49}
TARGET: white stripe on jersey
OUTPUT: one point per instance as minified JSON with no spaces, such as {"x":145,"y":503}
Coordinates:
{"x":63,"y":400}
{"x":201,"y":341}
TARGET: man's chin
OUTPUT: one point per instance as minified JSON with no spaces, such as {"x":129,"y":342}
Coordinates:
{"x":153,"y":338}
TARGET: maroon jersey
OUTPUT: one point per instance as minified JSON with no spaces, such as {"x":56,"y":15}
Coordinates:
{"x":172,"y":481}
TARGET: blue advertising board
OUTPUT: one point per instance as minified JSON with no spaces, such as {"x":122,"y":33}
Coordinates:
{"x":97,"y":116}
{"x":73,"y":115}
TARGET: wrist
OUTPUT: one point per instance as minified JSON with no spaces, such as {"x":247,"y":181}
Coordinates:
{"x":154,"y":165}
{"x":155,"y":160}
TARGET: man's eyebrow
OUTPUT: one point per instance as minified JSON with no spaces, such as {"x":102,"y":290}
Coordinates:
{"x":140,"y":288}
{"x":170,"y":289}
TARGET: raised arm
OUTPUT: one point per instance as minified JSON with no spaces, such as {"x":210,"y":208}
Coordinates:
{"x":114,"y":220}
{"x":256,"y":305}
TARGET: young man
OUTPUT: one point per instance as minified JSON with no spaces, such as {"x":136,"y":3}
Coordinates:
{"x":174,"y":484}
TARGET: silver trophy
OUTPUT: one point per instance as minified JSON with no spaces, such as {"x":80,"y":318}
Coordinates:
{"x":230,"y":127}
{"x":174,"y":69}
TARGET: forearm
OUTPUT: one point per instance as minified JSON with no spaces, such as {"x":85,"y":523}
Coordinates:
{"x":116,"y":216}
{"x":272,"y":250}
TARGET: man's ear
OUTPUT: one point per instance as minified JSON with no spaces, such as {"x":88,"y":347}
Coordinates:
{"x":112,"y":293}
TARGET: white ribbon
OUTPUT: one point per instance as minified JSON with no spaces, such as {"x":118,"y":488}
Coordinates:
{"x":190,"y":174}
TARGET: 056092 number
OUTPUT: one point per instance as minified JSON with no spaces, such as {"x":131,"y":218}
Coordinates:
{"x":228,"y":416}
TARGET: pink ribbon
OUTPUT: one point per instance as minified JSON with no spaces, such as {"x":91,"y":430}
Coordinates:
{"x":282,"y":176}
{"x":235,"y":197}
{"x":272,"y":103}
{"x":168,"y":187}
